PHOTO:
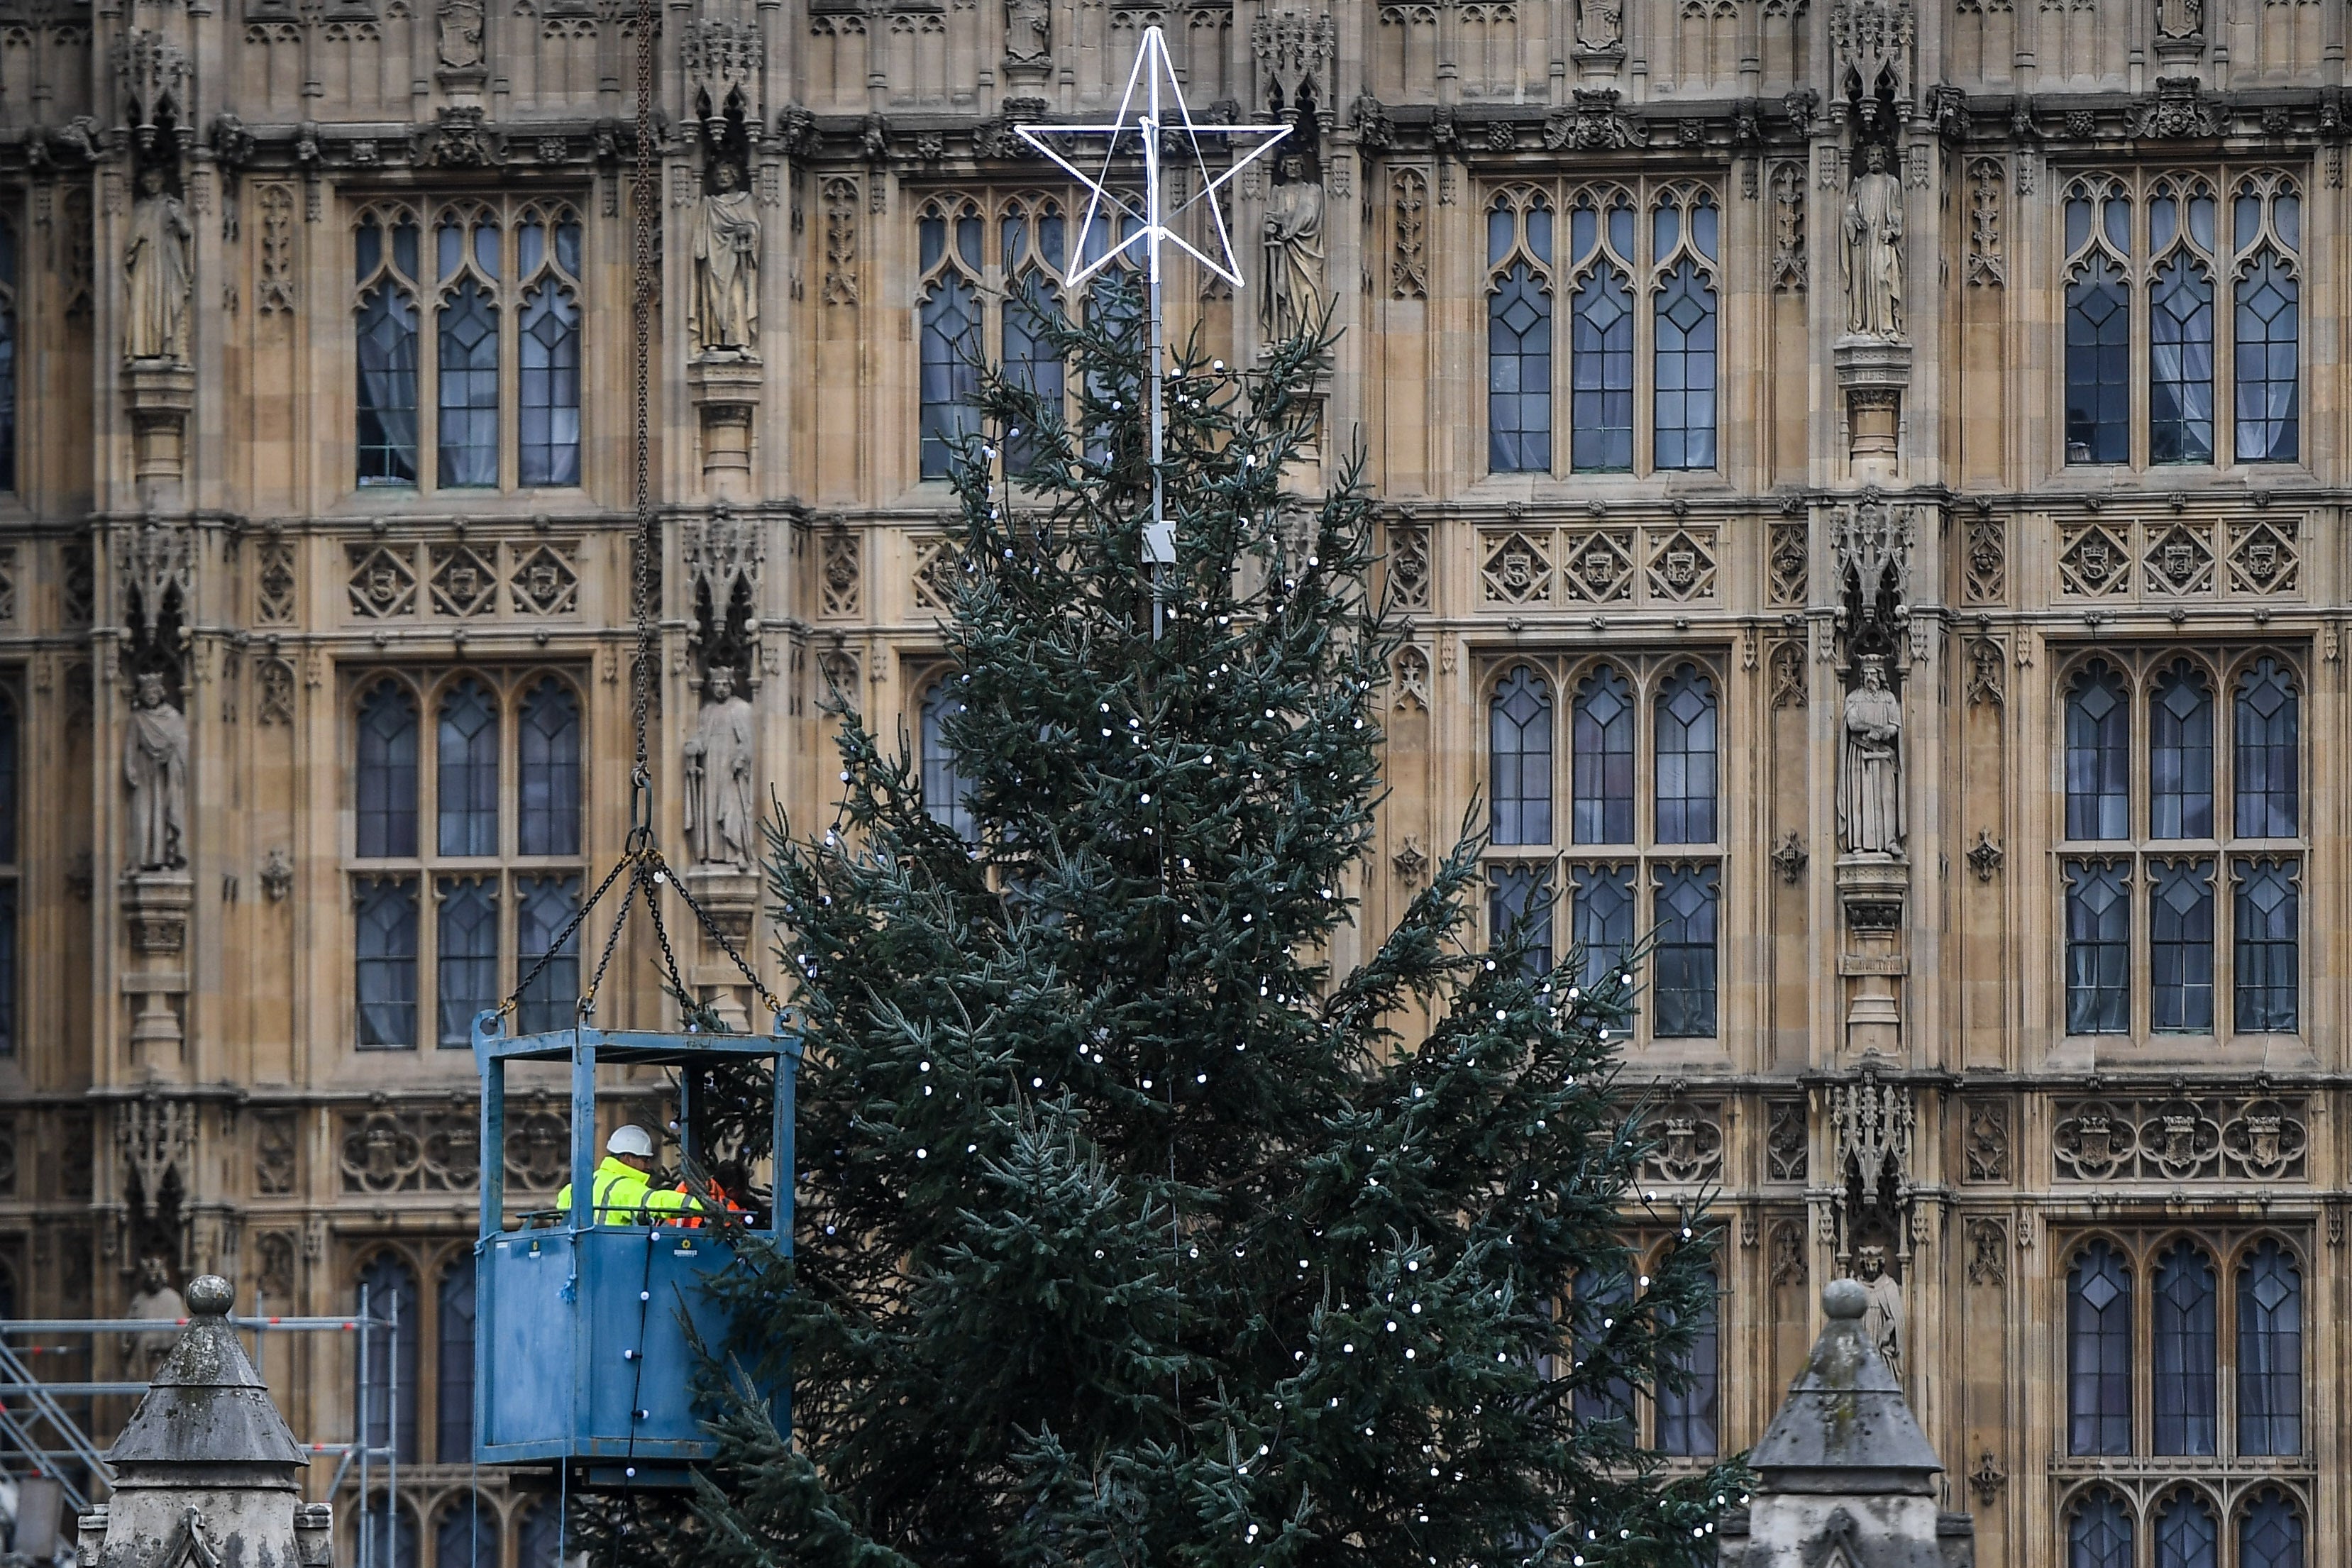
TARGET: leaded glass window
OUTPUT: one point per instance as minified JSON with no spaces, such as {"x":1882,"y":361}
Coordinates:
{"x":2267,"y":984}
{"x":454,"y":1401}
{"x":1602,"y":915}
{"x":544,"y":907}
{"x":951,"y":322}
{"x":1601,"y":372}
{"x":539,"y":1540}
{"x":2266,"y":232}
{"x":2180,"y":754}
{"x":2180,"y":946}
{"x":943,"y":789}
{"x":2184,"y":1329}
{"x":1685,"y":768}
{"x":2099,"y":1532}
{"x":2270,"y":1351}
{"x":1519,"y":898}
{"x":2185,"y":1533}
{"x":2267,"y":793}
{"x":2098,"y":364}
{"x":385,"y":774}
{"x":387,"y":253}
{"x":1518,"y":334}
{"x":1602,"y":768}
{"x":386,"y":964}
{"x":387,"y":1386}
{"x":467,"y":961}
{"x":2098,"y":947}
{"x":2270,"y":1532}
{"x":1686,"y":1416}
{"x":1684,"y":992}
{"x":2098,"y":756}
{"x":548,"y":765}
{"x":2098,"y":1353}
{"x":468,"y":362}
{"x":1519,"y":758}
{"x":1035,"y":239}
{"x":467,"y":1535}
{"x":387,"y":1533}
{"x":468,"y":781}
{"x":1599,"y":1296}
{"x":1684,"y":355}
{"x":2180,"y":363}
{"x":548,"y":423}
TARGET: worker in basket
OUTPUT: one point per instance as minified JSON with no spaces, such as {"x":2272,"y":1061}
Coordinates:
{"x":620,"y":1189}
{"x":731,"y":1184}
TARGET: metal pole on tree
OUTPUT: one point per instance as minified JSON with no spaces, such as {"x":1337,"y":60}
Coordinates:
{"x":1152,"y":109}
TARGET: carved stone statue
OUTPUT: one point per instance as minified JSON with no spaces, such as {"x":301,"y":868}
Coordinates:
{"x":155,"y":767}
{"x":459,"y":27}
{"x":1882,"y":1318}
{"x":155,"y":1299}
{"x":1294,"y":253}
{"x":725,"y":314}
{"x":1874,"y":249}
{"x":1028,"y":31}
{"x":1600,"y":25}
{"x":1870,"y":784}
{"x":718,"y":821}
{"x":158,"y":271}
{"x":2180,"y":18}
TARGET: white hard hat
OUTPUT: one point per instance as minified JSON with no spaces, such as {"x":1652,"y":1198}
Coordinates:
{"x":630,"y":1139}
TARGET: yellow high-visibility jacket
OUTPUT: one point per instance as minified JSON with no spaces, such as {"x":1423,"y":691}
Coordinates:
{"x":624,"y":1196}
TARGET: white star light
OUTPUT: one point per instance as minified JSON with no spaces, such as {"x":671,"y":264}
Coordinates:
{"x":1153,"y":111}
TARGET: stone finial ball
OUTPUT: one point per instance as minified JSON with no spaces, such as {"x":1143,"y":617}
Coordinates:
{"x":210,"y":1296}
{"x":1844,"y":1298}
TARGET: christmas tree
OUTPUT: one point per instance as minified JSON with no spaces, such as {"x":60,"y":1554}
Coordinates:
{"x":1133,"y":1231}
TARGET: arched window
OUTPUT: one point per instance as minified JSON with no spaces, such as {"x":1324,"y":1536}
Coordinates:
{"x":1033,"y":256}
{"x":2180,"y":946}
{"x":1604,"y":917}
{"x":539,"y":1540}
{"x":1599,"y":1296}
{"x":1519,"y":340}
{"x":8,"y":353}
{"x":467,"y":772}
{"x":1683,"y":395}
{"x":2270,"y":1352}
{"x":467,"y":1535}
{"x":385,"y":962}
{"x":386,"y":341}
{"x":943,"y":790}
{"x":1683,"y":995}
{"x":1600,"y":783}
{"x":1686,"y":771}
{"x":465,"y":957}
{"x":2186,"y":1535}
{"x":2266,"y":982}
{"x":1519,"y":758}
{"x":453,"y":1389}
{"x":950,"y":317}
{"x":388,"y":1356}
{"x":2183,"y":1330}
{"x":2098,"y":755}
{"x":2267,"y":724}
{"x":2180,"y":754}
{"x":385,"y":789}
{"x":2099,"y":1352}
{"x":548,"y":759}
{"x":1601,"y":372}
{"x":2270,"y":1532}
{"x":1686,"y":1416}
{"x":2098,"y":947}
{"x":544,"y":907}
{"x":2098,"y":362}
{"x":2099,"y":1533}
{"x":2269,"y":325}
{"x":387,"y":1533}
{"x":548,"y":416}
{"x":1519,"y":906}
{"x":468,"y":279}
{"x":2180,"y":363}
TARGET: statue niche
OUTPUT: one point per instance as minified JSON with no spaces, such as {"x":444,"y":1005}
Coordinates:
{"x":158,"y":273}
{"x":1294,"y":296}
{"x":724,"y":312}
{"x":1874,"y":249}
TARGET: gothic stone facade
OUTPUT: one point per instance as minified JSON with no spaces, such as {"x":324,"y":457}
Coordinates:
{"x":1867,"y":479}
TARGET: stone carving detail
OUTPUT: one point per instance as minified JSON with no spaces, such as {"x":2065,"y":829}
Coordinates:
{"x":1784,"y":1142}
{"x":1595,"y":125}
{"x":1293,"y":59}
{"x":721,"y":820}
{"x":382,"y":583}
{"x":1600,"y":565}
{"x":1986,"y":566}
{"x":274,"y":603}
{"x":1408,"y":258}
{"x":1292,"y":291}
{"x":152,"y":72}
{"x":1408,"y":574}
{"x":1871,"y":1124}
{"x":724,"y":317}
{"x":1870,"y":48}
{"x":1787,"y":1251}
{"x":273,"y":1273}
{"x":275,"y":705}
{"x":2261,"y":1138}
{"x":1789,"y":858}
{"x":1785,"y":559}
{"x":2179,"y":560}
{"x":1988,"y":1253}
{"x":273,"y":1156}
{"x":1872,"y":543}
{"x":839,"y":574}
{"x":1409,"y":861}
{"x":722,"y":58}
{"x":1682,"y":564}
{"x":1517,"y":570}
{"x":1987,"y":1140}
{"x":459,"y":138}
{"x":1870,"y":777}
{"x":1985,"y":856}
{"x":840,"y":286}
{"x":2180,"y":19}
{"x":1599,"y":27}
{"x":2093,"y":561}
{"x":2179,"y":109}
{"x":458,"y":37}
{"x":1985,"y":663}
{"x":1789,"y":265}
{"x":2262,"y":558}
{"x":276,"y":875}
{"x":1874,"y":236}
{"x":545,"y":583}
{"x":273,"y":289}
{"x":1028,"y":33}
{"x":434,"y":1149}
{"x":1787,"y":673}
{"x":1987,"y":267}
{"x":938,"y":561}
{"x":464,"y":582}
{"x":1412,"y":680}
{"x":1690,"y":1142}
{"x":156,"y":769}
{"x":156,"y":1138}
{"x":159,"y":274}
{"x":1881,"y":1316}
